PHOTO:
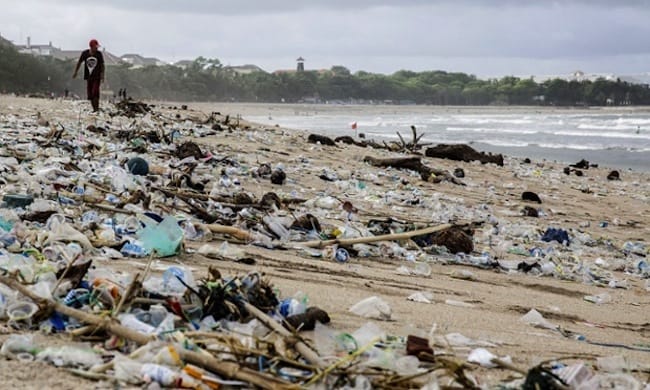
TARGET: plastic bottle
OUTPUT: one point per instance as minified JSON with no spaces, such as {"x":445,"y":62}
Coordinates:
{"x":171,"y":282}
{"x":64,"y":200}
{"x":407,"y":365}
{"x":130,"y":321}
{"x":76,"y":298}
{"x":168,"y":356}
{"x":291,"y":306}
{"x":372,"y":307}
{"x":73,"y":250}
{"x":548,"y":268}
{"x":461,"y":258}
{"x":127,"y":370}
{"x":482,"y":260}
{"x":134,"y":250}
{"x":161,"y":374}
{"x":70,"y":356}
{"x":277,"y":227}
{"x":190,"y":232}
{"x":599,"y":299}
{"x":422,"y":269}
{"x":17,"y":343}
{"x":110,"y":198}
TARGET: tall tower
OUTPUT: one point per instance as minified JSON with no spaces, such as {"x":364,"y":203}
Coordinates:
{"x":301,"y":64}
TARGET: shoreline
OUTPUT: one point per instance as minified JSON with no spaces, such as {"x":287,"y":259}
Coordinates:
{"x":614,"y":158}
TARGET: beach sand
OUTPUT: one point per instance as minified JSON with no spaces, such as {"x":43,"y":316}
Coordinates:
{"x":499,"y":298}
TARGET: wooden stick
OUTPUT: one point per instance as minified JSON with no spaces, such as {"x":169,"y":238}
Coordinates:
{"x":301,"y":347}
{"x":134,"y":286}
{"x":229,"y":230}
{"x":113,"y":209}
{"x":383,"y":237}
{"x":83,"y":331}
{"x":92,"y":375}
{"x":101,"y":368}
{"x":67,"y":268}
{"x":234,"y":370}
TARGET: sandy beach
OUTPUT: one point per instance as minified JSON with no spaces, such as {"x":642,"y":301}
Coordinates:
{"x":600,"y":215}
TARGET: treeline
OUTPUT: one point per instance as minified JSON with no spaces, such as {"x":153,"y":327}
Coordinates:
{"x":208,"y":80}
{"x":22,"y":73}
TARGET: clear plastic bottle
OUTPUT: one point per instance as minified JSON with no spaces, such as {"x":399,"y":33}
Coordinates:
{"x":158,"y":373}
{"x":291,"y":306}
{"x":132,"y":249}
{"x":130,"y":321}
{"x":294,"y":305}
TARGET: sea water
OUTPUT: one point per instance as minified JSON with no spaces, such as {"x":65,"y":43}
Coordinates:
{"x":610,"y":137}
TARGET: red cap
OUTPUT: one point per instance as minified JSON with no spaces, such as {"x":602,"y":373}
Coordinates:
{"x":93,"y":43}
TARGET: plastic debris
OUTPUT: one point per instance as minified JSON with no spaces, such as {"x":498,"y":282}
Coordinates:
{"x":372,"y":307}
{"x":85,"y":211}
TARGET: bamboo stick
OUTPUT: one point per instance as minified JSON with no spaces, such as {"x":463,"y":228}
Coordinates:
{"x":230,"y":230}
{"x":383,"y":237}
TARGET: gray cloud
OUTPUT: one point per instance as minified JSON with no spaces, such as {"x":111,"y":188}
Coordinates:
{"x":480,"y":37}
{"x":248,"y":7}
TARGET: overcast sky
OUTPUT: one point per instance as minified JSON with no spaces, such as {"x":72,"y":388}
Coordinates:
{"x":484,"y":37}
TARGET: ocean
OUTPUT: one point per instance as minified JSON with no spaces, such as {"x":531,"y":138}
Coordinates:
{"x":611,"y":137}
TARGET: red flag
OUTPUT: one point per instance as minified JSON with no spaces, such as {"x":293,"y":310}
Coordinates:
{"x":353,"y":125}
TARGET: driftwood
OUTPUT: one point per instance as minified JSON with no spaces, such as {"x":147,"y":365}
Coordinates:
{"x":455,"y":239}
{"x":235,"y":202}
{"x":414,"y":145}
{"x":346,"y":139}
{"x":323,"y":140}
{"x":306,"y":352}
{"x":189,"y":149}
{"x":231,"y":231}
{"x":191,"y":201}
{"x":383,"y":237}
{"x":130,"y":108}
{"x":204,"y":360}
{"x":414,"y":164}
{"x":463,"y":153}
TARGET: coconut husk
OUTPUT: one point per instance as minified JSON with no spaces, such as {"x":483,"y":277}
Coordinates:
{"x":455,"y":239}
{"x":306,"y":222}
{"x":189,"y":149}
{"x":271,"y":199}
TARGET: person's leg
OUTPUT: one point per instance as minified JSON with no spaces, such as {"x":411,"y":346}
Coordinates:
{"x":95,"y":95}
{"x":89,"y":89}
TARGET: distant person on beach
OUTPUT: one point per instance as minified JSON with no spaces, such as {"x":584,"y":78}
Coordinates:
{"x":93,"y":61}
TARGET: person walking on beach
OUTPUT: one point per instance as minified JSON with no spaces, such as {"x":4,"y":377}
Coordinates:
{"x":93,"y":61}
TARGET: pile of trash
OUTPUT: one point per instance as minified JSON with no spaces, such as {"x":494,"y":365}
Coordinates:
{"x":138,"y":186}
